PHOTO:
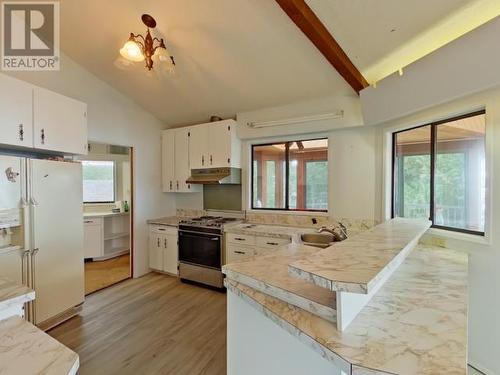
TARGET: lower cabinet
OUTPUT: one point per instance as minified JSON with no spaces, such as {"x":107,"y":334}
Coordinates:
{"x":106,"y":236}
{"x":241,"y":247}
{"x":163,"y":249}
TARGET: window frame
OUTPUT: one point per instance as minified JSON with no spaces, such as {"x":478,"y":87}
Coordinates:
{"x":114,"y":183}
{"x":433,"y":144}
{"x":287,"y":176}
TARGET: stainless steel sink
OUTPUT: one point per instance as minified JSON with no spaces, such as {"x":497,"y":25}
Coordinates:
{"x":322,"y":240}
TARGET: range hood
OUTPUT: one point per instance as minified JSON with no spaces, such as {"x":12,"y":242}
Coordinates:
{"x":215,"y":176}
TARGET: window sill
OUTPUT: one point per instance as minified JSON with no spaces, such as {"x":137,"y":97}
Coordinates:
{"x":284,"y":212}
{"x":466,"y":237}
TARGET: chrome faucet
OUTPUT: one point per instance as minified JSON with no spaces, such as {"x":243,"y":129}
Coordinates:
{"x":341,"y":227}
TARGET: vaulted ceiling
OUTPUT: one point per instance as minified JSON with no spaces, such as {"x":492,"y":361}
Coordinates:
{"x":239,"y":55}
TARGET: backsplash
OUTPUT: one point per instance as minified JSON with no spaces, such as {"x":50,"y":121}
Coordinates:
{"x":354,"y":226}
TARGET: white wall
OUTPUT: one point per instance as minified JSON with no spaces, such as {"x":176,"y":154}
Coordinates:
{"x":484,"y":260}
{"x":115,"y":119}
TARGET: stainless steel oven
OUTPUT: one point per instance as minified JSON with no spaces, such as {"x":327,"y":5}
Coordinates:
{"x":200,"y":255}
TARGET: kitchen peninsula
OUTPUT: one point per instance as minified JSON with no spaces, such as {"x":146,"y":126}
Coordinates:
{"x":406,"y":307}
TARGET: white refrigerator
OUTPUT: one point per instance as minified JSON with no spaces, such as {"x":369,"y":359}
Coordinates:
{"x":41,"y":234}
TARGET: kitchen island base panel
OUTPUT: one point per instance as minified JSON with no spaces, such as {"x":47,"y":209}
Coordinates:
{"x":256,"y":345}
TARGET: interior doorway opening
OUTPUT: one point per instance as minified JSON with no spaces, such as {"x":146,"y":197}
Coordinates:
{"x":108,"y":212}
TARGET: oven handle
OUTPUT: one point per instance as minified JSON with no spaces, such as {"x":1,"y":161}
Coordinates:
{"x":218,"y":236}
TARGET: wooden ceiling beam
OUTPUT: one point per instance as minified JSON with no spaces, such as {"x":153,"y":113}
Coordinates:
{"x":307,"y":21}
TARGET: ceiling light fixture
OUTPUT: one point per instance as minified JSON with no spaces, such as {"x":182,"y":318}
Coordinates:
{"x":139,"y":48}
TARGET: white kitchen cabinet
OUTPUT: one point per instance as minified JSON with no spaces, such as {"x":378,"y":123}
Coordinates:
{"x":156,"y":251}
{"x":170,"y":254}
{"x":163,"y":249}
{"x":214,"y":145}
{"x":243,"y":246}
{"x":168,"y":160}
{"x":59,"y":123}
{"x":16,"y":112}
{"x":224,"y":148}
{"x":106,"y":236}
{"x":175,"y":162}
{"x":182,"y":168}
{"x":93,"y":238}
{"x":198,"y":146}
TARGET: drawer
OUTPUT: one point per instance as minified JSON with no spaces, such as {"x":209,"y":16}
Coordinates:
{"x":238,"y":253}
{"x":163,"y":229}
{"x":241,"y":239}
{"x":270,"y":242}
{"x":92,"y":221}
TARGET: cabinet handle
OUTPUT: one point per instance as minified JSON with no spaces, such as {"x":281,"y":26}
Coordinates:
{"x":239,"y":252}
{"x":211,"y":160}
{"x":42,"y":135}
{"x":21,"y":132}
{"x":88,"y":221}
{"x":228,"y":160}
{"x":165,"y":243}
{"x":177,"y":185}
{"x":158,"y":242}
{"x":189,"y":186}
{"x":239,"y":239}
{"x":202,"y":159}
{"x":171,"y":185}
{"x":272,"y":243}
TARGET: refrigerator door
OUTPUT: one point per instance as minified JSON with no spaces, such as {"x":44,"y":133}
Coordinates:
{"x":57,"y":237}
{"x":13,"y":218}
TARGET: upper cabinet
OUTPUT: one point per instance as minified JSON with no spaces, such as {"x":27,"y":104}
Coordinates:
{"x":16,"y":112}
{"x":32,"y":117}
{"x":60,"y":123}
{"x":214,"y":145}
{"x":175,"y":162}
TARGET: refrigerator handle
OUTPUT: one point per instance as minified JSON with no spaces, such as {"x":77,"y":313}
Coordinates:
{"x":33,"y":285}
{"x":24,"y":264}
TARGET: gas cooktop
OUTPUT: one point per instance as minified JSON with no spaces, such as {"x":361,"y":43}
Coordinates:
{"x":216,"y":222}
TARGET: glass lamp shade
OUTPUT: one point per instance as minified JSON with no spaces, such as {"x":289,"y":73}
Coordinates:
{"x":131,"y":51}
{"x":161,"y":55}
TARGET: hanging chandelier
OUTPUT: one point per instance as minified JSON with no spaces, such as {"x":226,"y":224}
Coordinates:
{"x":139,"y":48}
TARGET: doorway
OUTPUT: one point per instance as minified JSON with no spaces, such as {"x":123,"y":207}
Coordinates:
{"x":107,"y":215}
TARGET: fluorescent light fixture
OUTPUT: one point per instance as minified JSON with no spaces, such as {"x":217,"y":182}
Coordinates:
{"x":296,"y":120}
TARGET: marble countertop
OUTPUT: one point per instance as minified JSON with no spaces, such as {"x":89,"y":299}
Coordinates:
{"x":269,"y":274}
{"x":357,"y":264}
{"x":25,"y":349}
{"x":103,"y":214}
{"x":14,"y":294}
{"x":268,"y":230}
{"x":415,"y":324}
{"x":171,"y":221}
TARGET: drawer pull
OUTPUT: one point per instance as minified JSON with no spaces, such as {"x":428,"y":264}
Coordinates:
{"x":239,"y":239}
{"x":162,"y":229}
{"x":239,"y":252}
{"x":88,"y":221}
{"x":272,"y":243}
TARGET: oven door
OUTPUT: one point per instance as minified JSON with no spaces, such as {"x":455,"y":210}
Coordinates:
{"x":202,"y":249}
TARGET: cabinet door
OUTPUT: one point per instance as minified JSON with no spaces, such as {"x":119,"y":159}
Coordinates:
{"x":170,"y":255}
{"x":198,"y":147}
{"x":168,"y":160}
{"x":156,"y":251}
{"x":60,"y":123}
{"x":93,"y":238}
{"x":16,"y":112}
{"x":182,"y":169}
{"x":219,"y":141}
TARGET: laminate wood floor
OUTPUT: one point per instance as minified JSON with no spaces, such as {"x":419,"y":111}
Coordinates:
{"x":151,"y":325}
{"x":99,"y":275}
